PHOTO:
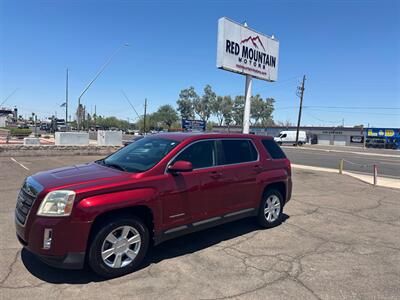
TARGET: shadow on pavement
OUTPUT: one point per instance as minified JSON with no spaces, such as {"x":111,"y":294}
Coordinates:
{"x":170,"y":249}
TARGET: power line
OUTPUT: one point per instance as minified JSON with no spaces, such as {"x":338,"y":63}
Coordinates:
{"x":351,"y":107}
{"x":352,"y":112}
{"x":130,"y":103}
{"x":8,"y":97}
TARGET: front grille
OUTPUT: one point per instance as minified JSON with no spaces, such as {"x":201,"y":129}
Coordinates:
{"x":25,"y":200}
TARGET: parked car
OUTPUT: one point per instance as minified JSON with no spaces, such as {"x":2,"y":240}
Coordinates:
{"x":107,"y":213}
{"x":134,"y":139}
{"x":289,"y":137}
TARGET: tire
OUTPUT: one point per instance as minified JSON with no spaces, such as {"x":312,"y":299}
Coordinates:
{"x":124,"y":243}
{"x":300,"y":143}
{"x":273,"y":217}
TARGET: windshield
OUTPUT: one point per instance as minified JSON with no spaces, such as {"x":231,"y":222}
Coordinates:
{"x":141,"y":155}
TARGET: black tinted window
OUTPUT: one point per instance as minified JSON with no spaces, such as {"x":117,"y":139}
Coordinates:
{"x":238,"y":151}
{"x":273,"y":149}
{"x":140,"y":155}
{"x":200,"y":154}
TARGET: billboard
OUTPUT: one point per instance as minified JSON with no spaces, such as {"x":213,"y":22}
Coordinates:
{"x":382,"y":132}
{"x":193,"y":125}
{"x":246,"y":51}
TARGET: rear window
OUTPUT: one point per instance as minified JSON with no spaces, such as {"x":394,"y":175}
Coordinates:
{"x":273,"y":149}
{"x":238,"y":151}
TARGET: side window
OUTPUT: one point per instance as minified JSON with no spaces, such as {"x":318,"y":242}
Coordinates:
{"x":273,"y":149}
{"x":200,"y":154}
{"x":238,"y":151}
{"x":284,"y":135}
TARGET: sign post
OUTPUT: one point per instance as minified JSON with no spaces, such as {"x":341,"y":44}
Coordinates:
{"x":247,"y":104}
{"x":245,"y":51}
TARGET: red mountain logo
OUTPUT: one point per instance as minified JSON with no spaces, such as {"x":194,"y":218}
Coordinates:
{"x":253,"y":41}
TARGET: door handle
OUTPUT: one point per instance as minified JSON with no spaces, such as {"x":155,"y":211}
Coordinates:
{"x":258,"y":168}
{"x":216,"y":175}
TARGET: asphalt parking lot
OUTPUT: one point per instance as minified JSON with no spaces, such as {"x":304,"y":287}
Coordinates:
{"x":340,"y":240}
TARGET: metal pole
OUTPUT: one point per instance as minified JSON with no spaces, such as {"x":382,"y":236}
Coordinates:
{"x":95,"y":77}
{"x":247,"y":105}
{"x":78,"y":121}
{"x":144,"y":117}
{"x":36,"y":126}
{"x":375,"y":174}
{"x":300,"y":108}
{"x":341,"y":163}
{"x":66,"y":102}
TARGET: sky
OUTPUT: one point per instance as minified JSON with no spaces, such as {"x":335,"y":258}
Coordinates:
{"x":349,"y":52}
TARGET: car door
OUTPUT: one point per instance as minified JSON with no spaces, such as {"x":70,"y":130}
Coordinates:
{"x":240,"y":162}
{"x":206,"y":201}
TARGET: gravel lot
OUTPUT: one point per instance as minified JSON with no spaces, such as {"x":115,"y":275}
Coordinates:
{"x":340,"y":240}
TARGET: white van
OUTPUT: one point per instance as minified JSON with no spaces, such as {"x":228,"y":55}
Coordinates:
{"x":289,"y":137}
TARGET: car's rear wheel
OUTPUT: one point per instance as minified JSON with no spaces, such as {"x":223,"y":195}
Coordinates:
{"x":118,"y":247}
{"x":271,"y":209}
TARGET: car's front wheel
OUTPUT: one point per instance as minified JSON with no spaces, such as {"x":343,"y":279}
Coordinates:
{"x":271,"y":209}
{"x":118,"y":247}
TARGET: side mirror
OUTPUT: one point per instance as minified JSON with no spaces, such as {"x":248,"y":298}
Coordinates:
{"x":180,"y":166}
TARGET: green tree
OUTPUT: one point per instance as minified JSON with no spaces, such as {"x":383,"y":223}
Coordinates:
{"x":227,"y":110}
{"x":167,"y":115}
{"x":268,"y":109}
{"x":202,"y":106}
{"x":222,"y":109}
{"x":187,"y":98}
{"x":257,"y":108}
{"x":238,"y":110}
{"x":216,"y":109}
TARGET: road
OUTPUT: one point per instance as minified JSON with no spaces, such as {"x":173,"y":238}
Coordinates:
{"x":355,"y":159}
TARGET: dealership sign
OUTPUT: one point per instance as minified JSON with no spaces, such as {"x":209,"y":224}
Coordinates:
{"x":245,"y":51}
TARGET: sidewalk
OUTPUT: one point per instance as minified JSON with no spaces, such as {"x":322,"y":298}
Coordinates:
{"x":381,"y":181}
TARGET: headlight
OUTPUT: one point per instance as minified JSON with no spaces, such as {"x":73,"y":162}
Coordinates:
{"x":57,"y":204}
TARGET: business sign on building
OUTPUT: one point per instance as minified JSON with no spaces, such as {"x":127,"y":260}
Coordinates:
{"x":193,"y":125}
{"x":245,"y":51}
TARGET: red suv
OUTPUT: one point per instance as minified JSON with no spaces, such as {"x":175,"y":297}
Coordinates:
{"x":109,"y":212}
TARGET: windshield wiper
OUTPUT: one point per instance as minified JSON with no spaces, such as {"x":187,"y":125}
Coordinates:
{"x":111,"y":165}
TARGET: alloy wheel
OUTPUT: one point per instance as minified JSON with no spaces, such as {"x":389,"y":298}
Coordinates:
{"x":272,"y":208}
{"x":121,"y":246}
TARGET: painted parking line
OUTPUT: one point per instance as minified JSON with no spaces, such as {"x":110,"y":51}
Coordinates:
{"x":17,"y":162}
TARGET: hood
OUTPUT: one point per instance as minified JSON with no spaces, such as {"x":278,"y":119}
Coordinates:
{"x":83,"y":174}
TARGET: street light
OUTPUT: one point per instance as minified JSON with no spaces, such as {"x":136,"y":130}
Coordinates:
{"x":94,"y":79}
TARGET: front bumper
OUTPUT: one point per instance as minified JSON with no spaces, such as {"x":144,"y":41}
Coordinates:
{"x":68,"y":242}
{"x":73,"y":261}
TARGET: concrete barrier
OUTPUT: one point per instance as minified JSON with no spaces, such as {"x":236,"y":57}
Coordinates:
{"x":31,"y":141}
{"x":53,"y":150}
{"x":72,"y":138}
{"x":109,"y":138}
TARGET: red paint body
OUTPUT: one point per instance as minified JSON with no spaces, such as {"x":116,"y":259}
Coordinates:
{"x":174,"y":199}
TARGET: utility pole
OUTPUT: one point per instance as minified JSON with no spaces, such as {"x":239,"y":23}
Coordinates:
{"x":144,"y":117}
{"x":95,"y":117}
{"x":66,"y":102}
{"x":300,"y":94}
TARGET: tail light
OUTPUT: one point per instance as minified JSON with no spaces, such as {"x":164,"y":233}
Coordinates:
{"x":288,"y":167}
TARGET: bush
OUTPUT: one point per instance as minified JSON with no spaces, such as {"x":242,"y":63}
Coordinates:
{"x":20,"y":132}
